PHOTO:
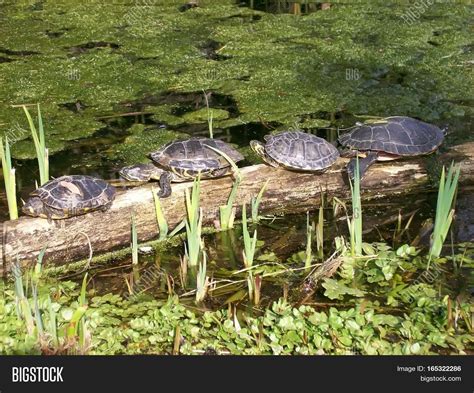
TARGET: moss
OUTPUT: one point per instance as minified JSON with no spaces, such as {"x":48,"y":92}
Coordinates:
{"x":361,"y":59}
{"x":142,"y":141}
{"x":202,"y":115}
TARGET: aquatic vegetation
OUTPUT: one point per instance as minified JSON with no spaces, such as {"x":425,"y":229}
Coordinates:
{"x":160,"y":217}
{"x":43,"y":334}
{"x":210,"y":115}
{"x":202,"y":280}
{"x":134,"y":242}
{"x":320,"y":232}
{"x":227,"y":212}
{"x":380,"y":300}
{"x":355,"y":223}
{"x":250,"y":243}
{"x":444,"y":208}
{"x":254,"y":281}
{"x":255,"y":202}
{"x":388,"y":305}
{"x":42,"y":153}
{"x":195,"y":246}
{"x":309,"y":241}
{"x":9,"y":179}
{"x":301,"y":61}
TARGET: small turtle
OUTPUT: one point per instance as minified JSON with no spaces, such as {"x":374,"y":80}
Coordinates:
{"x":184,"y":160}
{"x":390,"y":138}
{"x":296,"y":150}
{"x":69,"y":196}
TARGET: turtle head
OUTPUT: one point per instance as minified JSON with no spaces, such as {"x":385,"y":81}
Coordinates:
{"x":258,"y":147}
{"x":34,"y":207}
{"x":141,"y":172}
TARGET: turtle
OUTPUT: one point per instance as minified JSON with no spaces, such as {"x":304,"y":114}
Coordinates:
{"x":184,"y":160}
{"x":69,"y":196}
{"x":296,"y":150}
{"x":389,"y":139}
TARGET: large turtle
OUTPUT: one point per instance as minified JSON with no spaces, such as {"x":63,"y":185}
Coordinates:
{"x":296,"y":150}
{"x":388,"y":139}
{"x":184,"y":160}
{"x":69,"y":196}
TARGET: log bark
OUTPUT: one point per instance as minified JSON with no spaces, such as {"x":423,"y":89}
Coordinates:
{"x":287,"y":192}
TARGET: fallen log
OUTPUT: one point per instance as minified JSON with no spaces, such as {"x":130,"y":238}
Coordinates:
{"x":287,"y":192}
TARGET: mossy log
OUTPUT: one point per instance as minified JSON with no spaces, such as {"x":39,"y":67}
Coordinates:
{"x":287,"y":192}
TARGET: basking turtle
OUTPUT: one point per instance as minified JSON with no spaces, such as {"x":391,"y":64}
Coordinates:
{"x":69,"y":196}
{"x":184,"y":160}
{"x":390,"y":138}
{"x":296,"y":150}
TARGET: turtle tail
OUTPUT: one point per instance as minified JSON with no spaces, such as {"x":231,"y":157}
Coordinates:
{"x":364,"y":164}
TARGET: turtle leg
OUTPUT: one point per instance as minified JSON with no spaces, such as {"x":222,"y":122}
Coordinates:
{"x":106,"y":207}
{"x":364,"y":164}
{"x":165,"y":185}
{"x":49,"y":214}
{"x":259,"y":148}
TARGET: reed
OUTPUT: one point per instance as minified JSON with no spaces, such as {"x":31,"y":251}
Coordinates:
{"x":22,"y":304}
{"x":256,"y":203}
{"x":40,"y":145}
{"x":227,"y":211}
{"x":309,"y":237}
{"x":42,"y":326}
{"x":249,"y":243}
{"x":193,"y":224}
{"x":444,"y":208}
{"x":160,"y":217}
{"x":210,"y":117}
{"x":9,"y":179}
{"x":134,"y":242}
{"x":320,"y":233}
{"x":202,"y":280}
{"x":355,"y":223}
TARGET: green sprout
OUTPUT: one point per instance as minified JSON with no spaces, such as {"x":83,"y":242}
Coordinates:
{"x":40,"y":145}
{"x":193,"y":224}
{"x":444,"y":208}
{"x":9,"y":179}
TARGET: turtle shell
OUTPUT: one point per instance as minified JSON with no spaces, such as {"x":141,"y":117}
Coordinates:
{"x":76,"y":193}
{"x":298,"y":150}
{"x":194,"y":154}
{"x":398,"y":135}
